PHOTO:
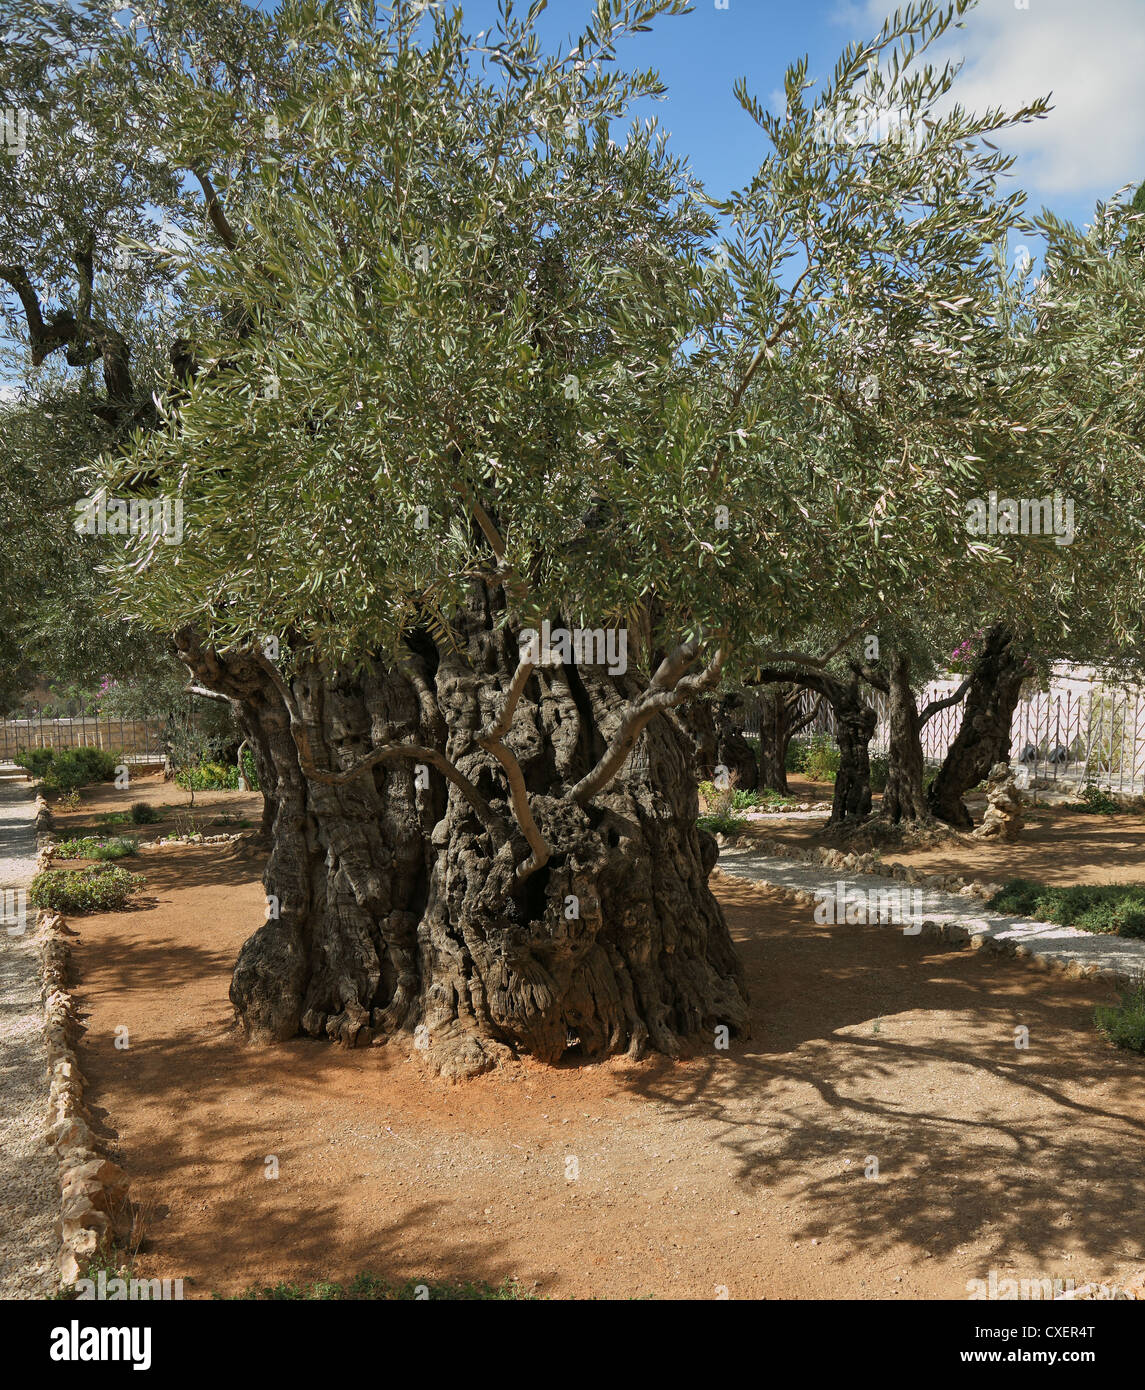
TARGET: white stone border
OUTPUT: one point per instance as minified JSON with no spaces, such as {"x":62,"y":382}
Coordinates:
{"x":94,"y":1205}
{"x":867,"y":864}
{"x":1025,"y":943}
{"x":165,"y":841}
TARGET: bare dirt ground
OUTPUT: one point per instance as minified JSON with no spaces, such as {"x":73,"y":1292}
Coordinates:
{"x":744,"y":1169}
{"x":1056,"y":846}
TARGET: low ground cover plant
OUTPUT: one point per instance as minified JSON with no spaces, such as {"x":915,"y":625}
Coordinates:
{"x":104,"y":889}
{"x":1123,"y":1023}
{"x":1115,"y":909}
{"x":1096,"y":802}
{"x":95,"y":847}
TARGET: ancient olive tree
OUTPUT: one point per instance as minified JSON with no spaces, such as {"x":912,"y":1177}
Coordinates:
{"x":489,"y":465}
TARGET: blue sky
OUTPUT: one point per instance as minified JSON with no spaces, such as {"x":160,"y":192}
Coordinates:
{"x":1089,"y":53}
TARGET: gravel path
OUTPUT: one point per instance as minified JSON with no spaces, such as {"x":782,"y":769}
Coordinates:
{"x":29,"y":1198}
{"x":1105,"y":955}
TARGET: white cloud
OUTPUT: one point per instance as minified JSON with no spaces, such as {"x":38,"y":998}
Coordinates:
{"x":1089,"y":54}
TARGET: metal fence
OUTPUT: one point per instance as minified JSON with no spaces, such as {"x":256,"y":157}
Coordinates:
{"x":1073,"y":734}
{"x":137,"y":740}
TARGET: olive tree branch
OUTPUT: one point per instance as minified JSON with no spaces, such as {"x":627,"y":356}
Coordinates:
{"x":668,"y":688}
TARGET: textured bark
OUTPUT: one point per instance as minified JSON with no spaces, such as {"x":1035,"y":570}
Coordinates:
{"x":732,"y":749}
{"x":264,"y":766}
{"x":904,"y":797}
{"x":401,"y":913}
{"x":698,"y":719}
{"x":718,"y":742}
{"x":984,"y":736}
{"x":855,"y":723}
{"x":776,"y":725}
{"x":779,"y":722}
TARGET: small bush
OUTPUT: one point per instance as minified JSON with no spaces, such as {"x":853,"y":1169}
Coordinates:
{"x":66,"y":774}
{"x":822,"y":760}
{"x":217,"y":777}
{"x":1113,"y":909}
{"x":1123,"y":1024}
{"x":84,"y":890}
{"x":795,"y":759}
{"x":718,"y":801}
{"x":763,"y":800}
{"x":79,"y":767}
{"x":35,"y":760}
{"x":880,"y":767}
{"x":99,"y":763}
{"x":1095,"y":802}
{"x":721,"y":823}
{"x":143,"y":814}
{"x":90,"y":847}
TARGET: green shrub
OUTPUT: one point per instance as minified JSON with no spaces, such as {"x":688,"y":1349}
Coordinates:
{"x":66,"y":774}
{"x":765,"y":799}
{"x":217,"y":777}
{"x":880,"y":767}
{"x":143,"y":814}
{"x":795,"y":759}
{"x":1113,"y":909}
{"x":35,"y":760}
{"x":1095,"y":802}
{"x":719,"y":809}
{"x":99,"y":763}
{"x":822,"y":760}
{"x":721,"y":823}
{"x":91,"y":847}
{"x":84,"y":890}
{"x":1123,"y":1024}
{"x":717,"y":800}
{"x":79,"y":767}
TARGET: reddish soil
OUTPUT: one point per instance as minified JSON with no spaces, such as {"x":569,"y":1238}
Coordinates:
{"x":740,"y":1169}
{"x":1056,"y":846}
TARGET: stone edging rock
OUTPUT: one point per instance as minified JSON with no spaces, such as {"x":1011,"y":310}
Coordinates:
{"x":42,"y":821}
{"x":94,"y":1205}
{"x":868,"y":864}
{"x":195,"y":840}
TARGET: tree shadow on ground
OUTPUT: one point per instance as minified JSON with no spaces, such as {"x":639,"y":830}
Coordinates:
{"x":868,"y":1044}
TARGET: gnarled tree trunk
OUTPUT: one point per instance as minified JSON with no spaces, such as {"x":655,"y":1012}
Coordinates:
{"x":698,"y":719}
{"x":775,"y":729}
{"x":399,"y":908}
{"x":779,"y":722}
{"x":733,"y":750}
{"x":855,"y":723}
{"x":983,"y":738}
{"x":904,"y":797}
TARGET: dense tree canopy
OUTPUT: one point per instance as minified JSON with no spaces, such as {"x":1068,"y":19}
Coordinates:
{"x":433,"y":343}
